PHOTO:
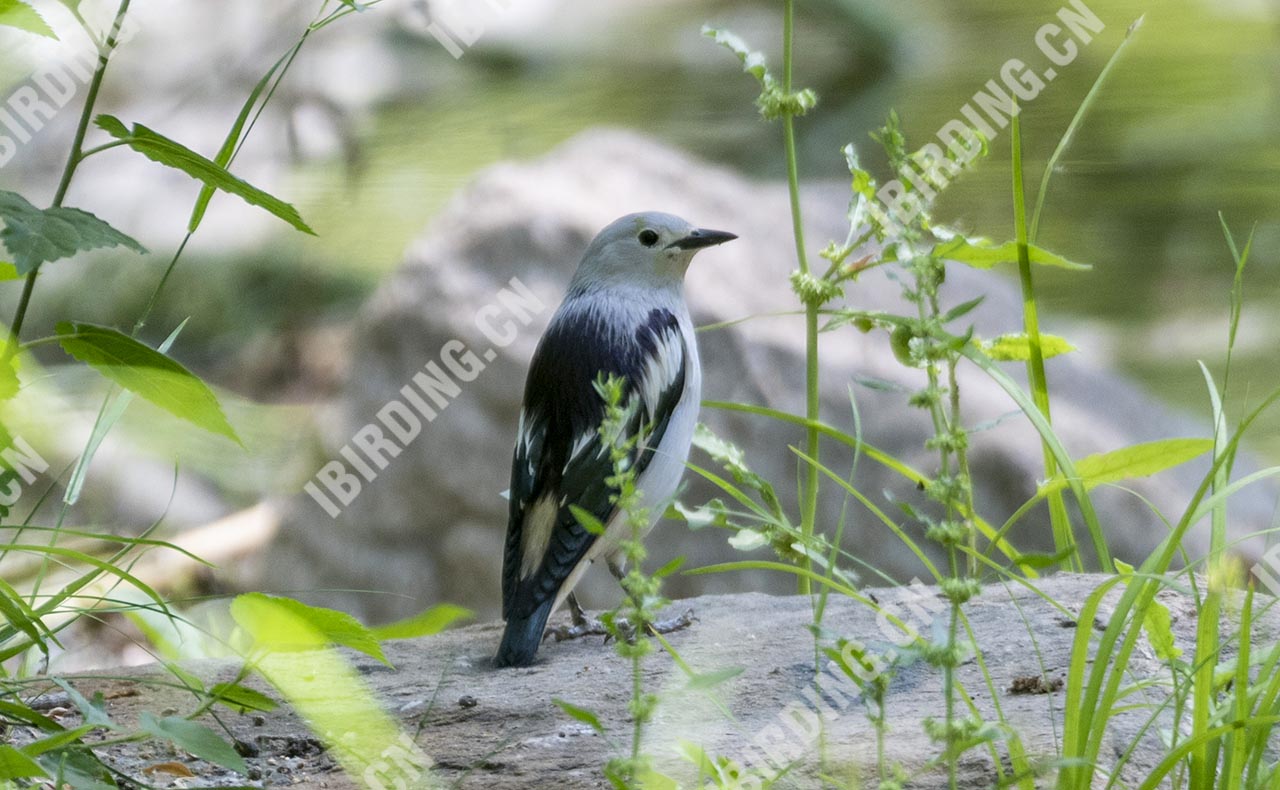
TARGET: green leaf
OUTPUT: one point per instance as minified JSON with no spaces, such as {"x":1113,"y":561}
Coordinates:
{"x":1156,"y":622}
{"x":16,"y":611}
{"x":748,"y":540}
{"x":1139,"y":460}
{"x":432,"y":621}
{"x":94,"y":712}
{"x":228,"y":150}
{"x":16,"y":765}
{"x":16,"y":13}
{"x":102,"y":426}
{"x":242,"y":698}
{"x":35,"y":236}
{"x":170,"y":153}
{"x":670,"y":568}
{"x":8,"y":271}
{"x":57,"y":740}
{"x":9,"y":384}
{"x":962,"y":309}
{"x":79,"y":769}
{"x":580,"y":714}
{"x":734,"y":461}
{"x":1016,"y":347}
{"x":587,"y":519}
{"x":753,"y":62}
{"x":712,"y":514}
{"x":335,"y":627}
{"x":709,"y":680}
{"x":983,"y":254}
{"x":24,"y":713}
{"x":195,"y":738}
{"x":1039,"y":560}
{"x":148,"y":373}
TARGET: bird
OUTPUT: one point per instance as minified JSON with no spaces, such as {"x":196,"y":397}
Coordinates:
{"x":623,"y":314}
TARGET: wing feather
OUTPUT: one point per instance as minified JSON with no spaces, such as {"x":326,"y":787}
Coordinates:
{"x":559,"y":457}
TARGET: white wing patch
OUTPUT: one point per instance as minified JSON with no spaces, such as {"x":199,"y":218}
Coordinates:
{"x":662,"y":370}
{"x":525,"y":436}
{"x":580,"y":444}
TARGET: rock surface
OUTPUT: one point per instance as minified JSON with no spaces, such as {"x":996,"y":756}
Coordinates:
{"x":488,"y":728}
{"x":430,"y":527}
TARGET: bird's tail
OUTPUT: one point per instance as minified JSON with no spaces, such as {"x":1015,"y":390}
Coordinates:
{"x":522,"y":637}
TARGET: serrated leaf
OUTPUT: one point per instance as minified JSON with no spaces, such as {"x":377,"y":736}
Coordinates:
{"x":983,"y":254}
{"x":171,"y":153}
{"x":242,"y":698}
{"x":223,"y":158}
{"x":580,"y":714}
{"x":147,"y":373}
{"x":335,"y":627}
{"x":1139,"y":460}
{"x":16,"y":765}
{"x":1016,"y":347}
{"x":195,"y":738}
{"x":432,"y":621}
{"x":20,"y":15}
{"x":35,"y":236}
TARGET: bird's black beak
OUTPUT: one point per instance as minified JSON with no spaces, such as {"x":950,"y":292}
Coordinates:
{"x":703,"y":238}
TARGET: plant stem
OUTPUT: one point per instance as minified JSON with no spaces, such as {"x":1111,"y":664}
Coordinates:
{"x":74,"y":157}
{"x":1060,"y":521}
{"x":809,"y":499}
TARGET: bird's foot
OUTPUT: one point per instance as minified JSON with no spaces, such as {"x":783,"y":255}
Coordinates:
{"x":591,"y":626}
{"x":686,"y":619}
{"x":588,"y":626}
{"x":582,"y":624}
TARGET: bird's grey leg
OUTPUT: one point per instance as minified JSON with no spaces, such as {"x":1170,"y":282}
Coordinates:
{"x":617,"y":566}
{"x":582,"y":624}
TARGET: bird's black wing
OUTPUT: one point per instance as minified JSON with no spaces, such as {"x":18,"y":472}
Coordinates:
{"x":560,"y":459}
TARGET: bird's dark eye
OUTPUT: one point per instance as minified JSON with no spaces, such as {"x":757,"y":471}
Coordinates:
{"x":648,"y":237}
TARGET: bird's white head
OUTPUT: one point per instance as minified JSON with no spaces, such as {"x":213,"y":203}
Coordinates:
{"x":647,"y":249}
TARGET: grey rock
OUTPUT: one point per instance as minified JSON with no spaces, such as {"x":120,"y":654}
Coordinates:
{"x":429,"y":528}
{"x":489,"y":728}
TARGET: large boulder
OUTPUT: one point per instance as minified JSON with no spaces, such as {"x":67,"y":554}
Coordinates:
{"x":430,"y":526}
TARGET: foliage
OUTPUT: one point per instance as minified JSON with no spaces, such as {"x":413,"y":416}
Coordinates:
{"x":273,"y":628}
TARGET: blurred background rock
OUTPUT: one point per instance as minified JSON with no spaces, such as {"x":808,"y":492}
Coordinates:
{"x":378,"y":127}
